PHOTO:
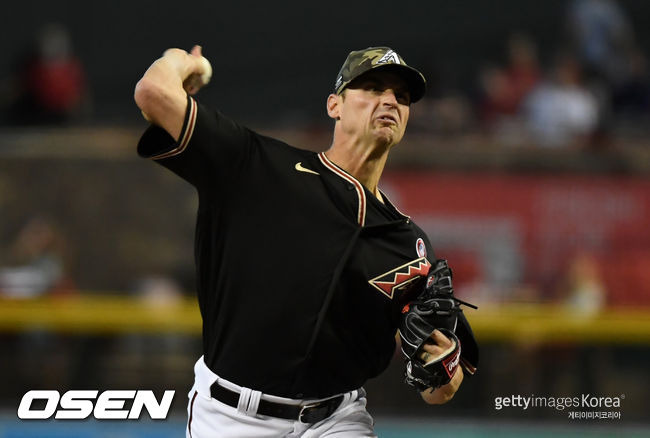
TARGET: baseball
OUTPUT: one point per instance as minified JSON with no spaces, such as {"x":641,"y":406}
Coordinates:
{"x":207,"y":70}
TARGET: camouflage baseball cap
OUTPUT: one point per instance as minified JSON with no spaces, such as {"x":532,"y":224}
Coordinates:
{"x":361,"y":61}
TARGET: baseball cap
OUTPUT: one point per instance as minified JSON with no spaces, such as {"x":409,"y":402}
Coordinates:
{"x":359,"y":62}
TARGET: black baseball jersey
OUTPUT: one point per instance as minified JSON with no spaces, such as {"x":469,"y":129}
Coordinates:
{"x":300,"y":269}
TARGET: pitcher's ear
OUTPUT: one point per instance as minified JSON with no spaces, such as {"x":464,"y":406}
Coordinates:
{"x":333,"y":106}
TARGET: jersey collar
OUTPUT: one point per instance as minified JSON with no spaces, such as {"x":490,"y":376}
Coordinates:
{"x":360,"y":190}
{"x":361,"y":193}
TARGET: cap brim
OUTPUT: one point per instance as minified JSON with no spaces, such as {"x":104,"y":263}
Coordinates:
{"x":414,"y":79}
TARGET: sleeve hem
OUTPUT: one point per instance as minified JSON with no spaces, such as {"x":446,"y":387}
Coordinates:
{"x":156,"y":136}
{"x":186,"y":132}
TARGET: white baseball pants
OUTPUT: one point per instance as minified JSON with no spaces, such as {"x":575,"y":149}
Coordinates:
{"x":209,"y":418}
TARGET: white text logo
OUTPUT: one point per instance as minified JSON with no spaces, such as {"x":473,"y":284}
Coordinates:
{"x":78,"y":405}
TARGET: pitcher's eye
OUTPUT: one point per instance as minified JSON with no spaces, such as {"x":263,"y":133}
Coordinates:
{"x":371,"y":86}
{"x":403,"y":97}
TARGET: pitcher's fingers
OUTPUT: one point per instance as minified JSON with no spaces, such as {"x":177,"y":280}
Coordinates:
{"x":440,"y":339}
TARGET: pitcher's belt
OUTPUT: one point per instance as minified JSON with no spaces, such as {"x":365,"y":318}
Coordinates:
{"x":305,"y":413}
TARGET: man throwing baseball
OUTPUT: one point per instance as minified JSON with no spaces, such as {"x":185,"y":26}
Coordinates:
{"x":305,"y":268}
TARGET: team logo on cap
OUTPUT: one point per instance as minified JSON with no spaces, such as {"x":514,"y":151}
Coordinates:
{"x":389,"y":57}
{"x":400,"y":277}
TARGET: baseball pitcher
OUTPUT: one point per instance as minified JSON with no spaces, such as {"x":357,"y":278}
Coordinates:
{"x":305,"y":269}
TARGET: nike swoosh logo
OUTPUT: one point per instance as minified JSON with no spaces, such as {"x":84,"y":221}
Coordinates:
{"x":299,"y":168}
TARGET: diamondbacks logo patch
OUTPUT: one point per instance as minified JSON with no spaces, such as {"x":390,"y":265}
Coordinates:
{"x":400,"y":277}
{"x":420,"y":247}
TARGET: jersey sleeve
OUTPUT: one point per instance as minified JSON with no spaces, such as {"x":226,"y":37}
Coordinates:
{"x":211,"y":148}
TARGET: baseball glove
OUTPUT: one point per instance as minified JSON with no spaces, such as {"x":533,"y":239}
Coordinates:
{"x":436,"y":308}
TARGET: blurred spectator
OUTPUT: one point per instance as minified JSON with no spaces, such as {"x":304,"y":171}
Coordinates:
{"x":35,"y":262}
{"x":159,"y":290}
{"x":561,"y":111}
{"x":496,"y":95}
{"x":50,"y":83}
{"x":522,"y":71}
{"x":504,"y":89}
{"x":604,"y":42}
{"x":602,"y":36}
{"x":583,"y":290}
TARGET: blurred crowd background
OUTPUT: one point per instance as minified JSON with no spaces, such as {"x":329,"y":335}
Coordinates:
{"x":527,"y":163}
